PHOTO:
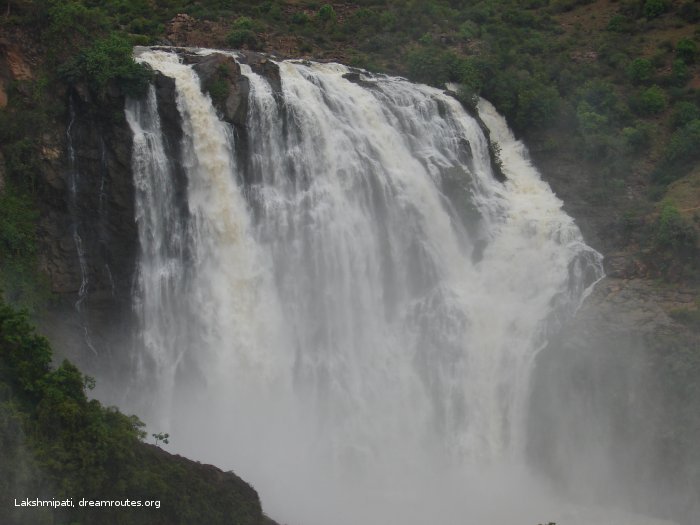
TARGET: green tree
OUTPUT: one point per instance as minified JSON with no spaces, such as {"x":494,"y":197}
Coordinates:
{"x":687,"y":50}
{"x":680,"y":74}
{"x":651,"y":101}
{"x":161,"y":437}
{"x":326,"y":13}
{"x":683,"y":113}
{"x":640,"y":70}
{"x":672,"y":231}
{"x":684,"y":145}
{"x":654,"y":8}
{"x":109,"y":60}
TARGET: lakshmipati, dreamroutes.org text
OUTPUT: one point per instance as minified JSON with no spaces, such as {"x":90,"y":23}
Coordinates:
{"x":85,"y":503}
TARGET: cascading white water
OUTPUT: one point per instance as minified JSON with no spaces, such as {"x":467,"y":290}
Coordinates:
{"x":352,"y":330}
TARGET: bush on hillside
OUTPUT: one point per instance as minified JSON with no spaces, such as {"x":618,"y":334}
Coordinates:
{"x":654,"y":8}
{"x":687,"y":50}
{"x":683,"y":113}
{"x":673,"y":231}
{"x":640,"y":70}
{"x":651,"y":101}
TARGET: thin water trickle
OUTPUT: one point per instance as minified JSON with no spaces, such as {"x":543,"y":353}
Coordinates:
{"x":73,"y":183}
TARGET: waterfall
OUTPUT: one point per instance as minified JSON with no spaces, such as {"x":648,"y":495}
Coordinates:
{"x":352,"y":328}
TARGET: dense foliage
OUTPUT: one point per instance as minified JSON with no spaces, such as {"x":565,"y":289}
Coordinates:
{"x":55,"y":443}
{"x":21,"y":123}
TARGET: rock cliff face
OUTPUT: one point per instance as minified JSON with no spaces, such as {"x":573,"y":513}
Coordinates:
{"x":84,"y":191}
{"x":87,"y":228}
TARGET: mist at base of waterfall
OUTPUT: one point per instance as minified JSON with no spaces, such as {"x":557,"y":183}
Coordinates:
{"x":298,"y":487}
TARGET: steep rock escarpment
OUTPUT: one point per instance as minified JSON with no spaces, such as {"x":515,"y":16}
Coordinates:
{"x":88,"y":231}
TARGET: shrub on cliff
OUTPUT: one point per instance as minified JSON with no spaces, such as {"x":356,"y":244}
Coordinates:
{"x":243,"y":33}
{"x":432,"y":66}
{"x":18,"y":218}
{"x":687,"y":50}
{"x":638,"y":137}
{"x":654,"y":8}
{"x":326,"y":13}
{"x":650,"y":102}
{"x":683,"y":113}
{"x":684,"y":146}
{"x":108,"y":61}
{"x":238,"y":38}
{"x":640,"y":70}
{"x":594,"y":129}
{"x":673,"y":231}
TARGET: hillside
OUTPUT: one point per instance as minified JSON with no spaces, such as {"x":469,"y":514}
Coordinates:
{"x":58,"y":445}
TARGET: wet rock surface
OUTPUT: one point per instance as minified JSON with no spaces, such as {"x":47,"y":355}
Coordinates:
{"x":221,"y":77}
{"x":87,"y":230}
{"x":607,"y":385}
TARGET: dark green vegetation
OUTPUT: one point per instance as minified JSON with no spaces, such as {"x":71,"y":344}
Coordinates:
{"x":57,"y":444}
{"x":20,"y":124}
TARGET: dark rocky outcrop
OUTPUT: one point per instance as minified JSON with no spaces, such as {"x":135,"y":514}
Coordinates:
{"x":171,"y":125}
{"x":496,"y":165}
{"x":187,"y":492}
{"x":221,"y":77}
{"x":87,"y":205}
{"x":167,"y":107}
{"x":264,"y":67}
{"x":356,"y":78}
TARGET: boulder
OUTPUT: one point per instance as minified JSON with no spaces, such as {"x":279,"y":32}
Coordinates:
{"x":221,"y":78}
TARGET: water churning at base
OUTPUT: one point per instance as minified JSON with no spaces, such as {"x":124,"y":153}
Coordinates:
{"x":348,"y":309}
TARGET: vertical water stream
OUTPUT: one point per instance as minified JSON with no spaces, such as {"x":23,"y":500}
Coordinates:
{"x":359,"y":322}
